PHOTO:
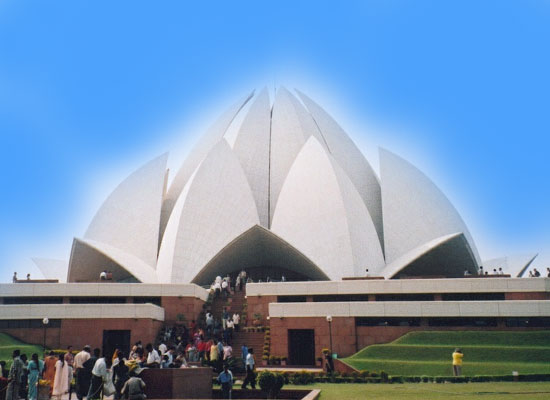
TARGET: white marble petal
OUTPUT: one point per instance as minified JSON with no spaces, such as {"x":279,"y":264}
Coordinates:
{"x":52,"y":269}
{"x":514,"y":265}
{"x":352,"y":161}
{"x":291,"y":127}
{"x":89,"y":258}
{"x":129,"y":219}
{"x":415,"y":210}
{"x":252,"y":149}
{"x":196,"y":155}
{"x":365,"y":243}
{"x":313,"y":216}
{"x":217,"y":208}
{"x":448,"y":255}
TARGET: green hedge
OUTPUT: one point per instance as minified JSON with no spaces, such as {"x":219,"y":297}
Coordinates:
{"x":465,"y":379}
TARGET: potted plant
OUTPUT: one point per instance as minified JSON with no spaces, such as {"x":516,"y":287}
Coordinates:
{"x":319,"y":361}
{"x":43,"y":389}
{"x":272,"y":360}
{"x":284,"y":360}
{"x":257,"y":319}
{"x":264,"y":359}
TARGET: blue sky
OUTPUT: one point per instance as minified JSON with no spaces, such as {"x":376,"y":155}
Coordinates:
{"x":90,"y":90}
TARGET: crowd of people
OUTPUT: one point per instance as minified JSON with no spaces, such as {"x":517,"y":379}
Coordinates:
{"x":534,"y":273}
{"x":95,"y":376}
{"x":207,"y":342}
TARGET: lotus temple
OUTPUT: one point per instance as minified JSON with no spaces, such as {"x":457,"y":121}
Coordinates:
{"x":337,"y":255}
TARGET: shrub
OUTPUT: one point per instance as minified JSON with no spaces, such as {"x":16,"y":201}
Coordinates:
{"x":396,"y":379}
{"x":286,"y":377}
{"x":271,"y":383}
{"x":302,"y":378}
{"x":383,"y":376}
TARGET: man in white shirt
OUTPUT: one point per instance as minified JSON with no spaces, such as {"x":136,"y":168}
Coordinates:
{"x":78,"y":363}
{"x":225,"y":290}
{"x":217,"y":289}
{"x":236,"y":320}
{"x":153,"y":358}
{"x":99,"y":373}
{"x":230,"y":328}
{"x":250,"y":375}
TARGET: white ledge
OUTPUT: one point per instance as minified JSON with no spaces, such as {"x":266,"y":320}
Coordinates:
{"x":400,"y":286}
{"x":517,"y":308}
{"x":81,"y":311}
{"x":102,"y":289}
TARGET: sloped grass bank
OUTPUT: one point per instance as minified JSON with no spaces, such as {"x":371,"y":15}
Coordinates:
{"x":485,"y":353}
{"x":8,"y":344}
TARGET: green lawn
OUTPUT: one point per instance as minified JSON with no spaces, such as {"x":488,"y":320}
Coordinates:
{"x":426,"y":391}
{"x":8,"y":344}
{"x":485,"y":353}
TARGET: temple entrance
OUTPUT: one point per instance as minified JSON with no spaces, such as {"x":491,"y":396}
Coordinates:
{"x":301,"y":346}
{"x":263,"y":255}
{"x":116,"y":339}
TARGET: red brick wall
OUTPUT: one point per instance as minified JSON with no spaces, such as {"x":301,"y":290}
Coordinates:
{"x":259,"y":305}
{"x":343,"y":334}
{"x":80,"y":332}
{"x":527,"y":296}
{"x":348,"y":339}
{"x":190,"y":307}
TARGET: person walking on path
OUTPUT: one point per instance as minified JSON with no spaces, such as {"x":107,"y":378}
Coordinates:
{"x":225,"y":379}
{"x":236,"y":320}
{"x":457,"y":362}
{"x":61,"y":380}
{"x":78,"y":364}
{"x":35,"y":368}
{"x":99,"y":374}
{"x":49,"y":369}
{"x":14,"y":377}
{"x":250,"y":375}
{"x":85,"y":375}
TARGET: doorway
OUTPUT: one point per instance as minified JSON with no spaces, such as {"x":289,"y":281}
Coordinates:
{"x":301,"y":346}
{"x":116,"y":339}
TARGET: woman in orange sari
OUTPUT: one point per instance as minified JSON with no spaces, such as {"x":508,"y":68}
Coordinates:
{"x":49,"y":369}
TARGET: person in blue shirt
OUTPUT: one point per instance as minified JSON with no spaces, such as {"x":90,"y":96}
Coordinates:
{"x":225,"y":379}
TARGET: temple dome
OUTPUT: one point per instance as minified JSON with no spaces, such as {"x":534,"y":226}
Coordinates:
{"x":288,"y":191}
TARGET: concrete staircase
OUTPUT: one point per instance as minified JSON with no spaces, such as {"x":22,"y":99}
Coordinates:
{"x":234,"y":303}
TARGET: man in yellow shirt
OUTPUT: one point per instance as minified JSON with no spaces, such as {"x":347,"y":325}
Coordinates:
{"x":457,"y":362}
